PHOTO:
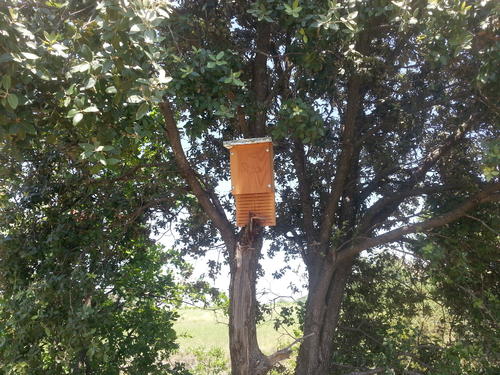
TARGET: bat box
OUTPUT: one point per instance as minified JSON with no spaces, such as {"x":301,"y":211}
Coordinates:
{"x":252,"y":180}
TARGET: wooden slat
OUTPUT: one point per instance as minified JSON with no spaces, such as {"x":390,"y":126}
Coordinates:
{"x":260,"y":205}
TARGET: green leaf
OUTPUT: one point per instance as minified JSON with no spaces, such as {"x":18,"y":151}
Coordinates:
{"x":111,"y":90}
{"x":6,"y":82}
{"x":142,"y":110}
{"x":149,"y":36}
{"x":238,"y":82}
{"x":135,"y":99}
{"x":56,"y":5}
{"x":5,"y":57}
{"x":112,"y":161}
{"x":12,"y":100}
{"x":90,"y":83}
{"x":106,"y":66}
{"x":30,"y":129}
{"x":30,"y":56}
{"x":71,"y":89}
{"x":72,"y":113}
{"x":87,"y":146}
{"x":77,"y":118}
{"x":220,"y":55}
{"x":91,"y":109}
{"x":136,"y":28}
{"x":86,"y":52}
{"x":81,"y":67}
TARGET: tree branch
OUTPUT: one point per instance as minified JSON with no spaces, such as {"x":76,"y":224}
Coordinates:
{"x":348,"y":140}
{"x":377,"y":181}
{"x":490,"y":194}
{"x":284,"y":353}
{"x":385,"y":206}
{"x":378,"y":207}
{"x":210,"y":207}
{"x":241,"y":121}
{"x":140,"y":210}
{"x":299,"y":161}
{"x":433,"y":157}
{"x":260,"y":77}
{"x":483,"y":223}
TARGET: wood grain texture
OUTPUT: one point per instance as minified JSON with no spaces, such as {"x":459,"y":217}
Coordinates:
{"x":252,"y":168}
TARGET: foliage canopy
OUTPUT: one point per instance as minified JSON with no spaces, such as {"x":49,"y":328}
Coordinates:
{"x":383,"y":114}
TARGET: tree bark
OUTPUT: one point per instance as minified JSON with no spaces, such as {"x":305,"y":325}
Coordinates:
{"x":245,"y":353}
{"x":246,"y":357}
{"x":322,"y":316}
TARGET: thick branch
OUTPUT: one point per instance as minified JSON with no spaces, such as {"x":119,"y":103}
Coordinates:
{"x":140,"y":210}
{"x":348,"y":140}
{"x":490,"y":194}
{"x":379,"y":208}
{"x":345,"y":159}
{"x":377,"y":181}
{"x":189,"y":174}
{"x":260,"y":77}
{"x":299,"y":161}
{"x":241,"y":121}
{"x":385,"y":206}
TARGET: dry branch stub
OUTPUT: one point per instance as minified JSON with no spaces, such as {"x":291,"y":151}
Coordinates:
{"x":252,"y":180}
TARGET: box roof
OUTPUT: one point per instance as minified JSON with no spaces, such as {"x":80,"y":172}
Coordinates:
{"x":236,"y":142}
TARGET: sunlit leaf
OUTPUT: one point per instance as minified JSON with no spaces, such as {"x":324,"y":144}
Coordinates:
{"x":77,"y":118}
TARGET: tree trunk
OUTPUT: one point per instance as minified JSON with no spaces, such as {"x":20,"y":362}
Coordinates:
{"x":326,"y":291}
{"x":246,"y":357}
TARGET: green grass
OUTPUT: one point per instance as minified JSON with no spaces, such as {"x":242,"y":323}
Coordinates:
{"x":201,"y":328}
{"x":197,"y":327}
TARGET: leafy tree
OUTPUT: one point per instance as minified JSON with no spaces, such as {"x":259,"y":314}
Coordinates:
{"x":83,"y":289}
{"x":374,"y":106}
{"x":436,"y":312}
{"x":384,"y":297}
{"x":464,"y":272}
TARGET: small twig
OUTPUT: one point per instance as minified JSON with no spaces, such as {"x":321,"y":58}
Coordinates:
{"x":482,"y":222}
{"x":175,"y":41}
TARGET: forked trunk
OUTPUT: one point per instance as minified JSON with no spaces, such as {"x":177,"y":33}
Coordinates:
{"x":326,"y":292}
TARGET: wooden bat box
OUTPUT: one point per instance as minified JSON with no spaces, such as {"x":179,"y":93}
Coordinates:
{"x":252,"y":180}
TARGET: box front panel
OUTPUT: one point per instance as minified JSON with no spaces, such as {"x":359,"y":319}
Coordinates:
{"x":252,"y":168}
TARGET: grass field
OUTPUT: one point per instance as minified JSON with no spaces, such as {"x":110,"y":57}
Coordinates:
{"x":205,"y":329}
{"x":197,"y":327}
